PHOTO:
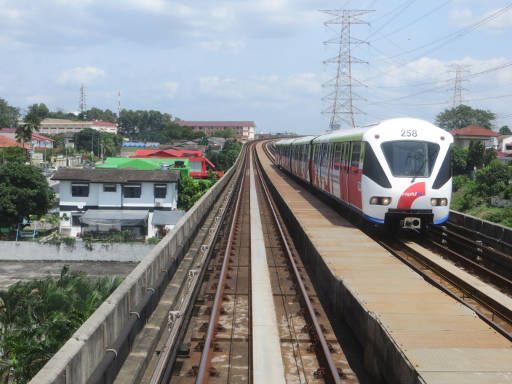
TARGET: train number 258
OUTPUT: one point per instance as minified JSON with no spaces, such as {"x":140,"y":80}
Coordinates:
{"x":409,"y":133}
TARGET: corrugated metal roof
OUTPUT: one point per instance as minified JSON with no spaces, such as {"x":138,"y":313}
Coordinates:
{"x":115,"y":175}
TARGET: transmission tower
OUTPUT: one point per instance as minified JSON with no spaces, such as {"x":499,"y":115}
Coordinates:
{"x":340,"y":101}
{"x":82,"y":106}
{"x":460,"y":72}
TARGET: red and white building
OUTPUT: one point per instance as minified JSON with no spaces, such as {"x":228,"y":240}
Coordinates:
{"x":38,"y":141}
{"x":474,"y":133}
{"x":244,"y":130}
{"x":198,"y":161}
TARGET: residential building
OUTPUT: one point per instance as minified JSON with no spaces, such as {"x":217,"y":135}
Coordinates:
{"x":174,"y":164}
{"x":38,"y":141}
{"x":474,"y":133}
{"x":8,"y":142}
{"x":59,"y":126}
{"x":197,"y":160}
{"x":108,"y":200}
{"x":244,"y":130}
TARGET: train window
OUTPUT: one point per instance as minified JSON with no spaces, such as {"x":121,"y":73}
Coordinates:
{"x":337,"y":156}
{"x":445,"y":172}
{"x":372,"y":168}
{"x":410,"y":158}
{"x":356,"y":154}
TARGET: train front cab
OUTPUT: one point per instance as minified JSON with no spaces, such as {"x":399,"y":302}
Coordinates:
{"x":407,"y":183}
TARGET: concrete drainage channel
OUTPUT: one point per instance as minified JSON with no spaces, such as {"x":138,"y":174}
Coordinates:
{"x":97,"y":350}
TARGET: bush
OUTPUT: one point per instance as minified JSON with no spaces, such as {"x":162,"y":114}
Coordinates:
{"x":38,"y":316}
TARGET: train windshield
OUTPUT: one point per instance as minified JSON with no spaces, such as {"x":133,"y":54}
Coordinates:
{"x":410,"y":158}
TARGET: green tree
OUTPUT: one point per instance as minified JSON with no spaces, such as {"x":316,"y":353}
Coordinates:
{"x":493,"y":179}
{"x":37,"y":317}
{"x":459,"y":160}
{"x":476,"y":152}
{"x":225,"y":133}
{"x":24,"y":191}
{"x":505,"y":130}
{"x":462,"y":116}
{"x":10,"y":154}
{"x":98,"y":114}
{"x":8,"y":115}
{"x":100,"y":143}
{"x":40,"y":111}
{"x":31,"y":123}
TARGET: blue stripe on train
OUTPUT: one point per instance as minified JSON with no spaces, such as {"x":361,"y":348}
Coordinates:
{"x":441,"y":220}
{"x":373,"y":219}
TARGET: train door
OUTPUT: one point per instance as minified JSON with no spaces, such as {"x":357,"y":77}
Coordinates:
{"x":314,"y":165}
{"x":345,"y":153}
{"x":354,"y":175}
{"x":335,"y":170}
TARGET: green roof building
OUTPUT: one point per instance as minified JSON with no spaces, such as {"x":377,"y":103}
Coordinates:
{"x":178,"y":164}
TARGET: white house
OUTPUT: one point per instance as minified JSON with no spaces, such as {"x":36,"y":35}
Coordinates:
{"x":109,"y":200}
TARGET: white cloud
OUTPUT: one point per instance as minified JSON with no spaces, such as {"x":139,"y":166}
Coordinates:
{"x":221,"y":46}
{"x":81,"y":75}
{"x":270,"y":90}
{"x":464,"y":17}
{"x":172,"y":88}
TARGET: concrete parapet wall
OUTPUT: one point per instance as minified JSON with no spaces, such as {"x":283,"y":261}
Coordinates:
{"x":31,"y":251}
{"x":80,"y":356}
{"x":493,"y":230}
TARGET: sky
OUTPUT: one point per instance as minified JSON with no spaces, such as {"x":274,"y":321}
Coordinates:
{"x":260,"y":60}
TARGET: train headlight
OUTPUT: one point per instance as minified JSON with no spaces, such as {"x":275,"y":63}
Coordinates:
{"x":386,"y":200}
{"x":378,"y":200}
{"x":439,"y":201}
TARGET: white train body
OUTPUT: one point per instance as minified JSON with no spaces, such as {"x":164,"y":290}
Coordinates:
{"x":394,"y":172}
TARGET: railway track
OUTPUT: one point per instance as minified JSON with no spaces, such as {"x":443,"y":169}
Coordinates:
{"x":209,"y":330}
{"x":470,"y":255}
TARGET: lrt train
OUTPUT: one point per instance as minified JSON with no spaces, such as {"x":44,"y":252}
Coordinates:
{"x":396,"y":173}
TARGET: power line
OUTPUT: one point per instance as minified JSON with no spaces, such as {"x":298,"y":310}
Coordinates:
{"x":399,"y":11}
{"x":441,"y":42}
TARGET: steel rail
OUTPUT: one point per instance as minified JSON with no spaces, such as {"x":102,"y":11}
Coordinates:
{"x":495,"y":308}
{"x":331,"y":373}
{"x":206,"y":355}
{"x":162,"y":370}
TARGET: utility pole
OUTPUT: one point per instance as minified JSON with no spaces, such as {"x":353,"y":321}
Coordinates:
{"x":118,"y":105}
{"x":460,"y":72}
{"x":340,"y":101}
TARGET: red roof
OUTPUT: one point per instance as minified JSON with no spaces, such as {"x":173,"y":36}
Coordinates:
{"x":39,"y":137}
{"x":7,"y":142}
{"x":474,"y":130}
{"x":193,"y":155}
{"x":216,"y":123}
{"x":35,"y":135}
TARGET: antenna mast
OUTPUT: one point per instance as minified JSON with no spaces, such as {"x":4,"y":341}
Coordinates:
{"x":339,"y":101}
{"x":83,"y":104}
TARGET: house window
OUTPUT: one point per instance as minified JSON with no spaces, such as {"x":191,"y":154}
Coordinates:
{"x":80,"y":189}
{"x":131,"y":191}
{"x":75,"y":220}
{"x":109,"y":187}
{"x":160,"y":191}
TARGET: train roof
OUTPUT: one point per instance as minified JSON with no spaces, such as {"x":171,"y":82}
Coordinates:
{"x":353,"y":134}
{"x":303,"y":140}
{"x":284,"y":141}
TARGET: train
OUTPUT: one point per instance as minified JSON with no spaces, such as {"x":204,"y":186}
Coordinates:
{"x":395,"y":173}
